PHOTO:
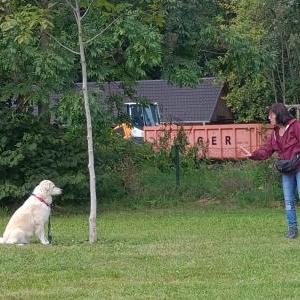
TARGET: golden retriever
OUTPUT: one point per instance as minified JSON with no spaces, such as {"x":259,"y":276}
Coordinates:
{"x":31,"y":217}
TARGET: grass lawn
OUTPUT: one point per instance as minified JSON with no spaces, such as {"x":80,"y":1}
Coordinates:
{"x":186,"y":253}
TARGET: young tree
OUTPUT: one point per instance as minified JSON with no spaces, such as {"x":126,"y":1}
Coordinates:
{"x":141,"y":50}
{"x":261,"y":64}
{"x":247,"y":61}
{"x":93,"y":211}
{"x":34,"y":17}
{"x":119,"y":45}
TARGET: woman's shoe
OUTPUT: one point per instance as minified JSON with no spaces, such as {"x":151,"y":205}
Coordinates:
{"x":292,"y":233}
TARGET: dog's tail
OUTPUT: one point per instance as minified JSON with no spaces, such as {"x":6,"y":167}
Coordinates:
{"x":1,"y":240}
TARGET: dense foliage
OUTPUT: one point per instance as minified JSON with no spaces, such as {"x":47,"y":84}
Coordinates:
{"x":31,"y":150}
{"x":253,"y":46}
{"x":128,"y":174}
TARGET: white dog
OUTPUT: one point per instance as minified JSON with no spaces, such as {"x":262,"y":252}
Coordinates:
{"x":31,"y":217}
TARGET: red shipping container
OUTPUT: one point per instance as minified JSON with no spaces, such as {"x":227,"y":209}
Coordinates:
{"x":214,"y":141}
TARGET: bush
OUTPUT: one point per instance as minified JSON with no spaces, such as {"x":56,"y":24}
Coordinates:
{"x":225,"y":184}
{"x":127,"y":174}
{"x":32,"y":150}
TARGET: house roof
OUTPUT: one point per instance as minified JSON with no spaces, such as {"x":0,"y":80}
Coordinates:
{"x":176,"y":104}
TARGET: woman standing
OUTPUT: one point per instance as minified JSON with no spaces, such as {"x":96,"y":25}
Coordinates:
{"x":285,"y":140}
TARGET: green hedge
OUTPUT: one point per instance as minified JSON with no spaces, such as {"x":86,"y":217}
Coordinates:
{"x":32,"y":150}
{"x":127,"y":174}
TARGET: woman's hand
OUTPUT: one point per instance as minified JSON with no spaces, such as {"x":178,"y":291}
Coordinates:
{"x":247,"y":153}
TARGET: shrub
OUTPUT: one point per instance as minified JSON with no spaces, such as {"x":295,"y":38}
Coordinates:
{"x":32,"y":150}
{"x":128,"y":174}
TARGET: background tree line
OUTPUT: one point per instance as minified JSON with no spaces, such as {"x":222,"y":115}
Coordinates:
{"x":253,"y":46}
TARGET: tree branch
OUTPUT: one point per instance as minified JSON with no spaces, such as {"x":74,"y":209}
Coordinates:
{"x":74,"y":10}
{"x":87,"y":9}
{"x":212,"y":52}
{"x":77,"y":19}
{"x":62,"y":45}
{"x":70,"y":4}
{"x":102,"y":31}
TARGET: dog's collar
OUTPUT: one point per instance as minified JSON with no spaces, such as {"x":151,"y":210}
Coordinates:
{"x":41,"y":199}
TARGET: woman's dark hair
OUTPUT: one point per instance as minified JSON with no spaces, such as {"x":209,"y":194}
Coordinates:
{"x":283,"y":116}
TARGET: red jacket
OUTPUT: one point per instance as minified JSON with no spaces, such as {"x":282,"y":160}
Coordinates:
{"x":287,"y":146}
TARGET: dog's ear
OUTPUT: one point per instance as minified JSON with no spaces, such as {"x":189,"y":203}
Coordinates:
{"x":46,"y":185}
{"x":49,"y":185}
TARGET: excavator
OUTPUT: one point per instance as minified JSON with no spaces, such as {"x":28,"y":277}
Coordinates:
{"x":140,"y":115}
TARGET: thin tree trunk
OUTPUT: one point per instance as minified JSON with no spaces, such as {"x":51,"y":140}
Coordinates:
{"x":274,"y":86}
{"x":283,"y":72}
{"x":43,"y":108}
{"x":291,"y":68}
{"x":280,"y":92}
{"x":93,"y":211}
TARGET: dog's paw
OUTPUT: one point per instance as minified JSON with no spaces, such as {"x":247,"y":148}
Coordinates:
{"x":45,"y":243}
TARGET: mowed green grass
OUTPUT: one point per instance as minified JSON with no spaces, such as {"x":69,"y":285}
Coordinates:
{"x":159,"y":254}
